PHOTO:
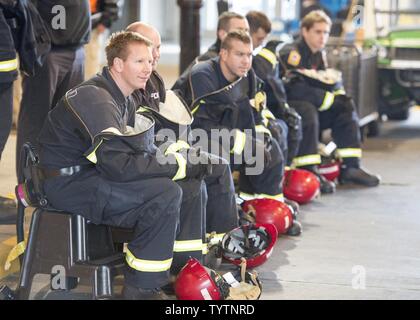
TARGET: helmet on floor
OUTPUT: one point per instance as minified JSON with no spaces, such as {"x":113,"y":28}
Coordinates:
{"x":330,"y":161}
{"x":330,"y":170}
{"x":269,"y":211}
{"x":253,"y":242}
{"x":196,"y":282}
{"x":300,"y":185}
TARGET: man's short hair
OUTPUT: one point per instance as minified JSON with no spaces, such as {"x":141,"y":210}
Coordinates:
{"x":313,"y":17}
{"x":258,"y":19}
{"x":117,"y":46}
{"x":240,"y":35}
{"x":224,"y":20}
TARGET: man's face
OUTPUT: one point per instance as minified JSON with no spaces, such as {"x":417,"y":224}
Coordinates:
{"x":235,"y":24}
{"x":136,"y":69}
{"x":258,"y":37}
{"x":154,"y":36}
{"x":317,"y":36}
{"x":237,"y":60}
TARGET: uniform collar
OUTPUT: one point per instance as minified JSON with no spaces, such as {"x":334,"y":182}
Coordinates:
{"x":115,"y":90}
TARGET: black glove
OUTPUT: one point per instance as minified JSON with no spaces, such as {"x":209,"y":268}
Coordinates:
{"x":260,"y":147}
{"x":345,"y":102}
{"x":198,"y":163}
{"x":292,"y":118}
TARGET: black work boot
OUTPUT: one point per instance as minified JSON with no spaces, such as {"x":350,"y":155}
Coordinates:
{"x":294,"y":207}
{"x":133,"y":293}
{"x":358,"y":176}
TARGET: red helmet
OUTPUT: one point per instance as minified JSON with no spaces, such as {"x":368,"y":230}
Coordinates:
{"x":330,"y":170}
{"x":196,"y":282}
{"x":300,"y":185}
{"x":270,"y":211}
{"x":253,"y":242}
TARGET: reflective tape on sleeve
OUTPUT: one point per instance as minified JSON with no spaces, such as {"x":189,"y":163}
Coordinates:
{"x":176,"y":146}
{"x":240,"y":139}
{"x":328,"y":101}
{"x":269,"y":56}
{"x":261,"y":129}
{"x":339,"y":92}
{"x":182,"y":167}
{"x":8,"y":65}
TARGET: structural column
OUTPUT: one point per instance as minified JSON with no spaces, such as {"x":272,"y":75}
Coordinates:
{"x":190,"y":31}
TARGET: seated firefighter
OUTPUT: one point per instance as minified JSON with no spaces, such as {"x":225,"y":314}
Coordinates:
{"x":304,"y":65}
{"x":225,"y":97}
{"x":170,"y":113}
{"x":99,"y":160}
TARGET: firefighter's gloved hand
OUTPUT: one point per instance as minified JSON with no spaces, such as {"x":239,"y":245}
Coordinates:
{"x":292,"y":118}
{"x":198,"y":163}
{"x":259,"y":148}
{"x":345,"y":102}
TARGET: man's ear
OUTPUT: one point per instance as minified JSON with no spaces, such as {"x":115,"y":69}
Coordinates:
{"x":221,"y":34}
{"x":118,"y":64}
{"x":304,"y":32}
{"x":223,"y":54}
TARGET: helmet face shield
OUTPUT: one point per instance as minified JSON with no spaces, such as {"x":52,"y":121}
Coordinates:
{"x":252,"y":242}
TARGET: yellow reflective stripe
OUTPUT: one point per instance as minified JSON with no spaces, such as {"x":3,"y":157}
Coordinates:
{"x":176,"y":146}
{"x":261,"y":129}
{"x":147,"y":265}
{"x":8,"y":65}
{"x":188,"y":245}
{"x":205,"y":249}
{"x":328,"y":101}
{"x":182,"y":167}
{"x":307,"y":160}
{"x":142,"y":109}
{"x":247,"y":196}
{"x":240,"y":139}
{"x":198,"y":106}
{"x":339,"y":92}
{"x":350,"y":153}
{"x":16,"y":251}
{"x":267,"y":114}
{"x":92,"y":156}
{"x":269,"y":56}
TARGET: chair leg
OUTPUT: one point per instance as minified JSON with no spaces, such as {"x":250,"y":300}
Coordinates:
{"x":102,"y":283}
{"x":27,"y":273}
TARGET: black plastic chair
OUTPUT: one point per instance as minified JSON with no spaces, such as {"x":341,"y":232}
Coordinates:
{"x":64,"y":242}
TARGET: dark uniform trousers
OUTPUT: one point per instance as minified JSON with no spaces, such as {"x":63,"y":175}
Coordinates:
{"x":8,"y":74}
{"x":150,"y":206}
{"x":341,"y":118}
{"x":191,"y":233}
{"x":6,"y":113}
{"x":63,"y":69}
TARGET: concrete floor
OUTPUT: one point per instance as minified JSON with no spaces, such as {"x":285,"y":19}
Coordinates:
{"x":360,"y":243}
